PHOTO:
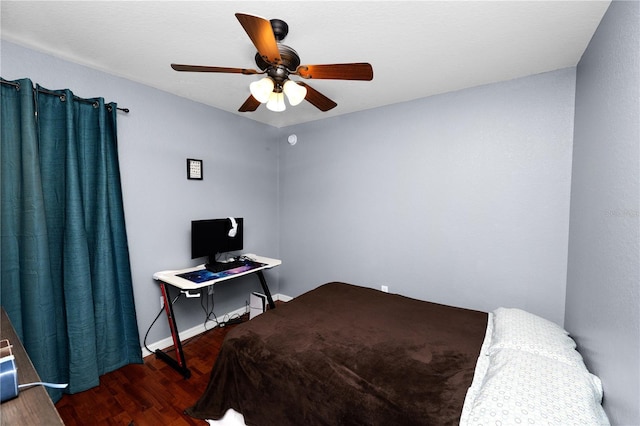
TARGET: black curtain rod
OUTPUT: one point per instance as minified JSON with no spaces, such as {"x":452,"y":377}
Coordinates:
{"x":49,"y":92}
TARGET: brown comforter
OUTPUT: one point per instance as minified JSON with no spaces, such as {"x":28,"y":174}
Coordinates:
{"x":347,"y":355}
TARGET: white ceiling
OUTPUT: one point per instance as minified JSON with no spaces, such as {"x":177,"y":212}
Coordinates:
{"x":417,"y":49}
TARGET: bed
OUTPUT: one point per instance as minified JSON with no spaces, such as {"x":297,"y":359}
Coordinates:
{"x":342,"y":354}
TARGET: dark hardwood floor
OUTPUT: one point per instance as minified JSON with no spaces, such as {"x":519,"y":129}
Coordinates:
{"x":147,"y":394}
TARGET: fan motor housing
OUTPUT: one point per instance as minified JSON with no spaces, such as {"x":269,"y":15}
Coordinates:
{"x":290,"y":59}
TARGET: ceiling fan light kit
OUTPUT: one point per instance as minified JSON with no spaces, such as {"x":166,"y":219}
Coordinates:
{"x":278,"y":62}
{"x":264,"y":90}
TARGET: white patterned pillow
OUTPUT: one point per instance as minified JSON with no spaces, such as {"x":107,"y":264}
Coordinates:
{"x":528,"y":389}
{"x":518,"y":329}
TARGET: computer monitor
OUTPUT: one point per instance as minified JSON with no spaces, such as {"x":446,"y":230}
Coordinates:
{"x":210,"y":237}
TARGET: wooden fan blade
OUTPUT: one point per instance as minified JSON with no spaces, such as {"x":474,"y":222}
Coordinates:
{"x":317,"y":99}
{"x":261,"y":34}
{"x":251,"y":104}
{"x":355,"y":71}
{"x":201,"y":68}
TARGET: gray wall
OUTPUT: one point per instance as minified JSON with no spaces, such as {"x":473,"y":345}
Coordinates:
{"x":603,"y":284}
{"x":461,"y":198}
{"x":155,"y":139}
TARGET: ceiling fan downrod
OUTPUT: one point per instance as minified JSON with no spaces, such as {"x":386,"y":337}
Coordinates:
{"x":280,"y":29}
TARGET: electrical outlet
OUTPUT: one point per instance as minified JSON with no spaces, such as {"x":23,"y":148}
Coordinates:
{"x":385,"y":288}
{"x":161,"y":302}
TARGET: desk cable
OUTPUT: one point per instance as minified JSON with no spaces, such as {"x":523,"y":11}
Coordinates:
{"x":154,"y":321}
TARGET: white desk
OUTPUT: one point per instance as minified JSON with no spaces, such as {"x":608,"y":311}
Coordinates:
{"x":171,"y":277}
{"x":200,"y":278}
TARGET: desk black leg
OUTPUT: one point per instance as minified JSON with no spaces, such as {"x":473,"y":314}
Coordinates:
{"x":265,"y":288}
{"x":180,"y":365}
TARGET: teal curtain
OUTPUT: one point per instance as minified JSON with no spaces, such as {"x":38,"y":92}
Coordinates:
{"x":66,"y":278}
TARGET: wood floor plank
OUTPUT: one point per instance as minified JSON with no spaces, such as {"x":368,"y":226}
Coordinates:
{"x":147,"y":394}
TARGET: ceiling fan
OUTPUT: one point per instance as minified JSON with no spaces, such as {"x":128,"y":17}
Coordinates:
{"x":278,"y":62}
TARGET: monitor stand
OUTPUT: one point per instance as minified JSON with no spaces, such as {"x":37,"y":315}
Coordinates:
{"x":213,"y":265}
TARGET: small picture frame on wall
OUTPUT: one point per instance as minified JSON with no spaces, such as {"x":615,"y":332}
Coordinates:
{"x":194,"y":169}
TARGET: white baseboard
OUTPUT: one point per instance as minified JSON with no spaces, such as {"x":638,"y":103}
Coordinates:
{"x":282,"y":297}
{"x":198,"y":329}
